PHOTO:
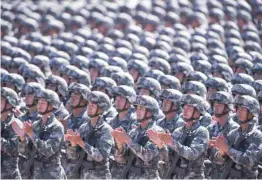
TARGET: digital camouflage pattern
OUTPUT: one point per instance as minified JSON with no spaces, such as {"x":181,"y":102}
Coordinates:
{"x":9,"y":150}
{"x":243,"y":89}
{"x":98,"y":144}
{"x":151,"y":84}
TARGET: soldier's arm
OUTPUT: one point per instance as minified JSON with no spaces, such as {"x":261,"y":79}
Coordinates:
{"x":198,"y":146}
{"x":248,"y":158}
{"x":10,"y":145}
{"x":52,"y":145}
{"x":103,"y":148}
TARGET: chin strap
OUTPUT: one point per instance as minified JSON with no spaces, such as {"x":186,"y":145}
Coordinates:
{"x":46,"y":110}
{"x":144,"y":119}
{"x":123,"y":109}
{"x":79,"y":106}
{"x":191,"y":119}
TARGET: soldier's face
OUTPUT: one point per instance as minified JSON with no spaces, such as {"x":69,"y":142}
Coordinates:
{"x":140,"y":112}
{"x":75,"y":99}
{"x":242,"y":113}
{"x":188,"y":111}
{"x":167,"y":105}
{"x":144,"y":91}
{"x":29,"y":99}
{"x":218,"y":108}
{"x":240,"y":70}
{"x":120,"y":102}
{"x":94,"y":73}
{"x":42,"y":105}
{"x":217,"y":74}
{"x":210,"y":91}
{"x":65,"y":77}
{"x":51,"y":86}
{"x":258,"y":75}
{"x":92,"y":108}
{"x":180,"y":76}
{"x":71,"y":80}
{"x":3,"y":102}
{"x":134,"y":73}
{"x":30,"y":79}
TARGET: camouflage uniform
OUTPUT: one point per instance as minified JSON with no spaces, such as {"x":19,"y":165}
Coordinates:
{"x":98,"y":142}
{"x":216,"y":130}
{"x":146,"y":154}
{"x":177,"y":121}
{"x":190,"y":144}
{"x":47,"y":140}
{"x":248,"y":153}
{"x":9,"y":140}
{"x":9,"y":150}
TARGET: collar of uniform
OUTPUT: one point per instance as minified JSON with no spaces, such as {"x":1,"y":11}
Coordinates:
{"x":50,"y":120}
{"x":84,"y":111}
{"x":251,"y":129}
{"x":194,"y":126}
{"x":100,"y":122}
{"x":150,"y":124}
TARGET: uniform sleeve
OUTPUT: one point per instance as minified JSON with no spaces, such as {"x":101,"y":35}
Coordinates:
{"x":198,"y":146}
{"x":10,"y":145}
{"x":52,"y":145}
{"x":103,"y":148}
{"x":249,"y":158}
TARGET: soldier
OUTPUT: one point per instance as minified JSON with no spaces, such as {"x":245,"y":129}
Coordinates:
{"x":94,"y":138}
{"x":137,"y":69}
{"x":105,"y":85}
{"x":47,"y":135}
{"x":124,"y":96}
{"x":189,"y":143}
{"x":222,"y":104}
{"x":29,"y":91}
{"x":9,"y":139}
{"x":240,"y":151}
{"x":78,"y":101}
{"x":139,"y":156}
{"x":172,"y":108}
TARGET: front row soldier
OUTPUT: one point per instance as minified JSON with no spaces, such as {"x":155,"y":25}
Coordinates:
{"x":46,"y":135}
{"x":188,"y":144}
{"x":222,"y":107}
{"x":94,"y":138}
{"x":9,"y":139}
{"x":241,"y":150}
{"x":78,"y":102}
{"x":138,"y":156}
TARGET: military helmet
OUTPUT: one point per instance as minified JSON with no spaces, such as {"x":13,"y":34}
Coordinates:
{"x":107,"y":71}
{"x":182,"y":67}
{"x":243,"y":89}
{"x":257,"y":85}
{"x":148,"y":102}
{"x":245,"y":64}
{"x":257,"y":67}
{"x":79,"y":75}
{"x":196,"y":101}
{"x":105,"y":83}
{"x":197,"y":76}
{"x":10,"y":95}
{"x":99,"y":98}
{"x":242,"y":78}
{"x":80,"y":61}
{"x":31,"y":88}
{"x":97,"y":63}
{"x":50,"y":96}
{"x":249,"y":103}
{"x":125,"y":91}
{"x":15,"y":79}
{"x":59,"y":82}
{"x":79,"y":88}
{"x":259,"y":96}
{"x":169,"y":81}
{"x":119,"y":62}
{"x":160,"y":64}
{"x":224,"y":69}
{"x":153,"y":73}
{"x":222,"y":97}
{"x":151,"y":84}
{"x":195,"y":87}
{"x":217,"y":83}
{"x":171,"y":95}
{"x":123,"y":78}
{"x":57,"y":62}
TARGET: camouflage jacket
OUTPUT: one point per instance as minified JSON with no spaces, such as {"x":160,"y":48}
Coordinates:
{"x":126,"y":122}
{"x":206,"y":120}
{"x":61,"y":113}
{"x":147,"y":154}
{"x":47,"y":140}
{"x":246,"y":157}
{"x":217,"y":130}
{"x":34,"y":116}
{"x":192,"y":152}
{"x":171,"y":125}
{"x":74,"y":123}
{"x":98,"y":143}
{"x":9,"y":143}
{"x":110,"y":114}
